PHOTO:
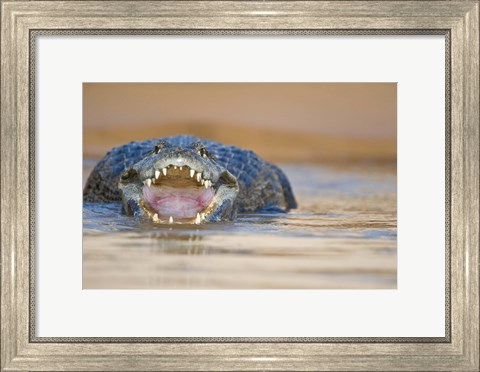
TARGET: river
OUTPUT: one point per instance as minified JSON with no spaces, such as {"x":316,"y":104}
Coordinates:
{"x":342,"y":235}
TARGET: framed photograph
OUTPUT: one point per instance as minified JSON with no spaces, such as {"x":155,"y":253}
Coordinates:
{"x":211,"y":185}
{"x":334,"y":150}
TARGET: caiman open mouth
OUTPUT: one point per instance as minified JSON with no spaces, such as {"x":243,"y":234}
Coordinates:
{"x":178,"y":194}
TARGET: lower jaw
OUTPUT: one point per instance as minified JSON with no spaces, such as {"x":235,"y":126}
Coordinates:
{"x":201,"y":215}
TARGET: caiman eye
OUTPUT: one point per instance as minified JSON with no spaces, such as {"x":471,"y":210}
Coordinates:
{"x":159,"y":147}
{"x":203,"y":152}
{"x":128,"y":174}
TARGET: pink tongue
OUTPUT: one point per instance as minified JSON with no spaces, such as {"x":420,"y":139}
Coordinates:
{"x":177,"y":202}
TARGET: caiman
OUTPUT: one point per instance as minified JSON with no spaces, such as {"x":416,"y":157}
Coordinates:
{"x":184,"y":179}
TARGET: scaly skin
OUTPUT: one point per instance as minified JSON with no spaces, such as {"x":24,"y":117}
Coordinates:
{"x":243,"y":182}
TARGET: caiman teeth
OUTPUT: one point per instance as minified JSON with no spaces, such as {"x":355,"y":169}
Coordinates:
{"x":199,"y":177}
{"x":170,"y":220}
{"x":164,"y":171}
{"x":157,"y":173}
{"x":192,"y":173}
{"x":197,"y":220}
{"x":155,"y":218}
{"x":148,"y":182}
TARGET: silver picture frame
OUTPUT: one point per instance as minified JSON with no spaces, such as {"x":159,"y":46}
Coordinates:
{"x":23,"y":21}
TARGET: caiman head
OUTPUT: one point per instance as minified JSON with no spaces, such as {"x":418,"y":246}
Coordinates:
{"x":179,"y":185}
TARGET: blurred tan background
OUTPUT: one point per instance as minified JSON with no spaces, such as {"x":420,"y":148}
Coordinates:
{"x":282,"y":122}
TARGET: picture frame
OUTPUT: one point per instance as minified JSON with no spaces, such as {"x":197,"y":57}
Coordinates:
{"x":21,"y":350}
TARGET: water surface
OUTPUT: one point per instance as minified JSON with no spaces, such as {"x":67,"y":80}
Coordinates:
{"x":342,"y":235}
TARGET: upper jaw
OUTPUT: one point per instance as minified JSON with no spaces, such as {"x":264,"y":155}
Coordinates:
{"x":160,"y":165}
{"x":165,"y":170}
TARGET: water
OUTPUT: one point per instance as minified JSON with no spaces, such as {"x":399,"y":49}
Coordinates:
{"x":342,"y":235}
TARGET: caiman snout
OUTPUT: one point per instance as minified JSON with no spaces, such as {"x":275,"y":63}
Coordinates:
{"x":178,"y":184}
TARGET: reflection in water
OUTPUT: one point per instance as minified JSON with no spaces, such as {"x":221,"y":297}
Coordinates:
{"x":343,"y":235}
